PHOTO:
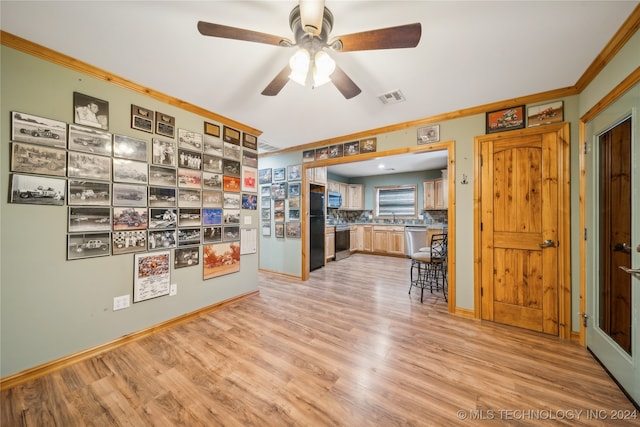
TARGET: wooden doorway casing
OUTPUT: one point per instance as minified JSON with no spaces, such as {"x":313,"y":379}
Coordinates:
{"x":557,"y":318}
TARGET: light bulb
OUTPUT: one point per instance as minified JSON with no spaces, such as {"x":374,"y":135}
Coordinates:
{"x":323,"y":67}
{"x":299,"y":64}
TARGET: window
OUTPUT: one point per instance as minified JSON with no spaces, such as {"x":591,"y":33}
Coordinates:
{"x":396,"y":201}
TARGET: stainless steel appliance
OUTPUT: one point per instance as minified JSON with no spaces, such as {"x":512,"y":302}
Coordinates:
{"x":334,"y":200}
{"x":316,"y":230}
{"x":343,"y":241}
{"x":415,"y":237}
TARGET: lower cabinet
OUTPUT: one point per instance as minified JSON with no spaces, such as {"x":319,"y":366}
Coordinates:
{"x":353,"y":239}
{"x":367,"y":238}
{"x":382,"y":239}
{"x":330,"y":243}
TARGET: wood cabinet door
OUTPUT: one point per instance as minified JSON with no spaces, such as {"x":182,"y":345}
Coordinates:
{"x":428,"y":194}
{"x":439,"y":199}
{"x":367,"y":238}
{"x":330,"y":245}
{"x":380,"y":240}
{"x":396,"y":242}
{"x":354,"y":195}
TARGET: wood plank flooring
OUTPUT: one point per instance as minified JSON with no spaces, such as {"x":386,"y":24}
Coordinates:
{"x":349,"y":347}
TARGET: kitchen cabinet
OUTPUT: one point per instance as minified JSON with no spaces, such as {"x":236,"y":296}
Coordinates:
{"x":433,"y":194}
{"x":380,"y":239}
{"x":367,"y":238}
{"x":330,"y":243}
{"x":388,"y":239}
{"x":317,"y":175}
{"x":396,"y":241}
{"x":355,"y":197}
{"x":333,"y":186}
{"x":353,"y":243}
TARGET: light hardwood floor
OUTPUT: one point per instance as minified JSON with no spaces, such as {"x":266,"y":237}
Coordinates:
{"x":349,"y":347}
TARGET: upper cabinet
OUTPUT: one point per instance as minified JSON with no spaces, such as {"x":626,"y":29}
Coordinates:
{"x":352,"y":194}
{"x":317,"y":175}
{"x":435,"y":193}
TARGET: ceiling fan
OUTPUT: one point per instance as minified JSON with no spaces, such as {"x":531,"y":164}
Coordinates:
{"x":311,"y":24}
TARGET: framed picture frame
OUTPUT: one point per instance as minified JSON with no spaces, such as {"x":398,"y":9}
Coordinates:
{"x":37,"y":190}
{"x":189,"y":198}
{"x":189,"y":236}
{"x":211,"y":129}
{"x":294,"y":202}
{"x":351,"y":148}
{"x":211,"y":216}
{"x":278,"y":205}
{"x":505,"y":119}
{"x":231,"y":183}
{"x":231,"y":135}
{"x":249,"y":201}
{"x":212,"y":145}
{"x":266,"y":228}
{"x":38,"y":159}
{"x":545,"y":114}
{"x":88,"y":245}
{"x":89,"y":140}
{"x":233,"y":152}
{"x":152,"y":276}
{"x":161,"y":218}
{"x":294,"y":189}
{"x":278,"y":215}
{"x":219,"y":259}
{"x":90,"y":111}
{"x":428,"y":134}
{"x":38,"y":130}
{"x":189,"y":159}
{"x":186,"y":257}
{"x":88,"y":193}
{"x":265,"y":190}
{"x":231,"y":201}
{"x":249,"y":179}
{"x":88,"y":219}
{"x":308,"y":155}
{"x":129,"y":195}
{"x":264,"y":176}
{"x":130,"y":171}
{"x":165,"y":125}
{"x":189,"y":217}
{"x":368,"y":145}
{"x":230,"y":233}
{"x":211,"y":181}
{"x":294,"y":214}
{"x":126,"y":242}
{"x":279,"y":190}
{"x":279,"y":230}
{"x":162,"y":197}
{"x":279,"y":174}
{"x":88,"y":166}
{"x":212,"y":199}
{"x":211,"y":234}
{"x":161,"y":239}
{"x":142,"y":118}
{"x":162,"y":176}
{"x":163,"y":152}
{"x":189,"y":140}
{"x":322,"y":153}
{"x":292,"y":229}
{"x":249,"y":141}
{"x":336,"y":151}
{"x":231,"y":167}
{"x":127,"y":147}
{"x":189,"y":178}
{"x":265,"y":213}
{"x":294,"y":173}
{"x":231,"y":217}
{"x":212,"y":163}
{"x":125,"y":219}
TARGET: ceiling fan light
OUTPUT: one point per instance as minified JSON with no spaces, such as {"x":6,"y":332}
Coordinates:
{"x":299,"y":64}
{"x":323,"y":67}
{"x":311,"y":14}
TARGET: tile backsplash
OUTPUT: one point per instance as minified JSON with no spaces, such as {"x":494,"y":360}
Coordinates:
{"x":335,"y":216}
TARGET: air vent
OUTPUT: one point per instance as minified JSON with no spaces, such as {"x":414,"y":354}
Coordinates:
{"x":392,"y":97}
{"x":264,"y":147}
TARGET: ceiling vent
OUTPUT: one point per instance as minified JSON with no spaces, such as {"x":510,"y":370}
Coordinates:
{"x":392,"y":97}
{"x":263,"y":147}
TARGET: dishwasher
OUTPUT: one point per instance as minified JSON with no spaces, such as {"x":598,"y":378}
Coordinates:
{"x":415,"y":237}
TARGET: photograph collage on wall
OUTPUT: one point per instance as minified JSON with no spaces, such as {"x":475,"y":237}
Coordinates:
{"x":364,"y":146}
{"x":280,"y":192}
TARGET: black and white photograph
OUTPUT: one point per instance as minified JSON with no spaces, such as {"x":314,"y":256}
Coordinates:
{"x":38,"y":130}
{"x":38,"y":159}
{"x":152,"y":275}
{"x":127,"y":147}
{"x":189,"y":198}
{"x":161,"y":175}
{"x":88,"y":245}
{"x":126,"y":242}
{"x":308,"y":155}
{"x":294,"y":189}
{"x":189,"y":178}
{"x":212,"y":164}
{"x":249,"y":141}
{"x":162,"y":197}
{"x":189,"y":159}
{"x":212,"y":234}
{"x":294,"y":173}
{"x":249,"y":201}
{"x":37,"y":190}
{"x":165,"y":125}
{"x":265,"y":213}
{"x":163,"y":152}
{"x":211,"y":216}
{"x":87,"y":219}
{"x":249,"y":158}
{"x":189,"y":140}
{"x":186,"y":257}
{"x":161,"y":239}
{"x":90,"y":111}
{"x":212,"y":145}
{"x":232,"y":152}
{"x":163,"y":218}
{"x":231,"y":216}
{"x":231,"y":201}
{"x":130,"y":218}
{"x":88,"y":166}
{"x":265,"y":190}
{"x":211,"y":181}
{"x":428,"y":134}
{"x":90,"y":140}
{"x":211,"y":199}
{"x":189,"y":236}
{"x":266,"y":228}
{"x":294,"y":215}
{"x":230,"y":233}
{"x":279,"y":174}
{"x":189,"y":217}
{"x":142,"y":119}
{"x":231,"y":167}
{"x":89,"y":193}
{"x":265,"y":201}
{"x":336,"y":150}
{"x":130,"y":171}
{"x":129,"y":195}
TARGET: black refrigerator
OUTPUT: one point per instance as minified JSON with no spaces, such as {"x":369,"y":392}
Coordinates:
{"x":316,"y":230}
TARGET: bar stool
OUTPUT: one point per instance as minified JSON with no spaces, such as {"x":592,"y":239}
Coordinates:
{"x":429,"y":267}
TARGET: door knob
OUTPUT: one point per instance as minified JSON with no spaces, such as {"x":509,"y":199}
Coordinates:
{"x":547,"y":244}
{"x":622,"y":247}
{"x":629,"y":270}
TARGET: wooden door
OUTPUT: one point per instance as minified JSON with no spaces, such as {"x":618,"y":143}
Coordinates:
{"x":519,"y":237}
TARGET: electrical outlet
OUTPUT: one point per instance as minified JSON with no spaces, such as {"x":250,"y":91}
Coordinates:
{"x":121,"y":302}
{"x":173,"y":290}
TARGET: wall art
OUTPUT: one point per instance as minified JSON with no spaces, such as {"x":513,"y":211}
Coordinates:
{"x":92,"y":193}
{"x":152,"y":275}
{"x":126,"y":242}
{"x":38,"y":159}
{"x":189,"y":236}
{"x":127,"y":147}
{"x":130,"y":171}
{"x":428,"y":134}
{"x":37,"y":190}
{"x":249,"y":179}
{"x":219,"y":259}
{"x":88,"y":245}
{"x":142,"y":119}
{"x":189,"y":198}
{"x":505,"y":119}
{"x":189,"y":217}
{"x":368,"y":145}
{"x":249,"y":201}
{"x":212,"y":234}
{"x":231,"y":135}
{"x":130,"y":218}
{"x":162,"y":239}
{"x":165,"y":125}
{"x":38,"y":130}
{"x":308,"y":156}
{"x":186,"y":257}
{"x":163,"y":152}
{"x":160,"y":218}
{"x":89,"y":219}
{"x":129,"y":195}
{"x":161,"y":175}
{"x":189,"y":140}
{"x":162,"y":197}
{"x":249,"y":141}
{"x":545,"y":114}
{"x":90,"y":111}
{"x":89,"y":140}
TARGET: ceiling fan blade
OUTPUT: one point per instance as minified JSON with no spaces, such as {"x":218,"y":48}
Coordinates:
{"x":225,"y":32}
{"x":276,"y":85}
{"x":345,"y":85}
{"x":383,"y":38}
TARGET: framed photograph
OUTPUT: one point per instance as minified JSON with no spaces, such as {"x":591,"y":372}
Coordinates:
{"x":186,"y":257}
{"x":294,"y":173}
{"x":231,"y":167}
{"x":189,"y":236}
{"x":90,"y":111}
{"x":189,"y":140}
{"x":189,"y":159}
{"x":294,"y":189}
{"x":264,"y":176}
{"x":232,"y":152}
{"x":38,"y":130}
{"x":211,"y":199}
{"x":505,"y":119}
{"x":160,"y":218}
{"x":127,"y":147}
{"x":249,"y":179}
{"x":165,"y":125}
{"x":279,"y":174}
{"x":212,"y":145}
{"x":230,"y":233}
{"x":336,"y":151}
{"x":88,"y":166}
{"x":163,"y":152}
{"x":89,"y":140}
{"x":212,"y":163}
{"x":231,"y":183}
{"x":162,"y":197}
{"x":126,"y":242}
{"x":292,"y":229}
{"x":279,"y":190}
{"x":265,"y":201}
{"x":189,"y":217}
{"x":249,"y":201}
{"x":189,"y":178}
{"x":88,"y":193}
{"x":130,"y":171}
{"x":219,"y":259}
{"x":142,"y":119}
{"x":88,"y":245}
{"x":152,"y":275}
{"x":211,"y":181}
{"x":294,"y":215}
{"x":231,"y":201}
{"x":211,"y":234}
{"x":249,"y":141}
{"x":265,"y":213}
{"x":278,"y":205}
{"x":265,"y":190}
{"x":161,"y":239}
{"x":278,"y":215}
{"x":266,"y":228}
{"x":231,"y":217}
{"x":308,"y":155}
{"x":161,"y":175}
{"x":231,"y":135}
{"x":545,"y":114}
{"x":294,"y":202}
{"x":37,"y":190}
{"x":351,"y":148}
{"x":129,"y":195}
{"x":368,"y":145}
{"x":428,"y":134}
{"x":322,"y":153}
{"x":125,"y":219}
{"x":211,"y":129}
{"x":279,"y":230}
{"x":189,"y":198}
{"x":89,"y":219}
{"x":38,"y":159}
{"x":211,"y":216}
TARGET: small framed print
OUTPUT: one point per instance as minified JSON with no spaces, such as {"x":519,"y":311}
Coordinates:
{"x":265,"y":190}
{"x":130,"y":171}
{"x":88,"y":219}
{"x":505,"y":119}
{"x":279,"y":174}
{"x":249,"y":158}
{"x":336,"y":151}
{"x":279,"y":230}
{"x":88,"y":166}
{"x":162,"y":197}
{"x":186,"y":257}
{"x":219,"y":259}
{"x":293,"y":229}
{"x":126,"y":242}
{"x":89,"y":140}
{"x":211,"y":216}
{"x":294,"y":203}
{"x":266,"y":228}
{"x":189,"y":178}
{"x":189,"y":198}
{"x":231,"y":201}
{"x":211,"y":181}
{"x":88,"y":245}
{"x":368,"y":145}
{"x":294,"y":215}
{"x":249,"y":201}
{"x":294,"y":173}
{"x":38,"y":159}
{"x":90,"y":111}
{"x":189,"y":236}
{"x":163,"y":218}
{"x":163,"y":176}
{"x":249,"y":141}
{"x":211,"y":234}
{"x":294,"y":189}
{"x":264,"y":176}
{"x":249,"y":179}
{"x":142,"y":119}
{"x":545,"y":114}
{"x":232,"y":152}
{"x":279,"y":190}
{"x":165,"y":125}
{"x":429,"y":134}
{"x":130,"y":218}
{"x":351,"y":148}
{"x":231,"y":135}
{"x":231,"y":167}
{"x":163,"y":152}
{"x":129,"y":195}
{"x":231,"y":216}
{"x":265,"y":213}
{"x":189,"y":159}
{"x":231,"y":183}
{"x":161,"y":239}
{"x":212,"y":199}
{"x":89,"y":193}
{"x":231,"y":232}
{"x":212,"y":163}
{"x":308,"y":156}
{"x":212,"y":145}
{"x":152,"y":275}
{"x":37,"y":190}
{"x":278,"y":215}
{"x":211,"y":129}
{"x":189,"y":217}
{"x":189,"y":140}
{"x":322,"y":153}
{"x":38,"y":130}
{"x":130,"y":148}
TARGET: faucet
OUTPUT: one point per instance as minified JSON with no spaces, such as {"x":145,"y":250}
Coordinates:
{"x":394,"y":217}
